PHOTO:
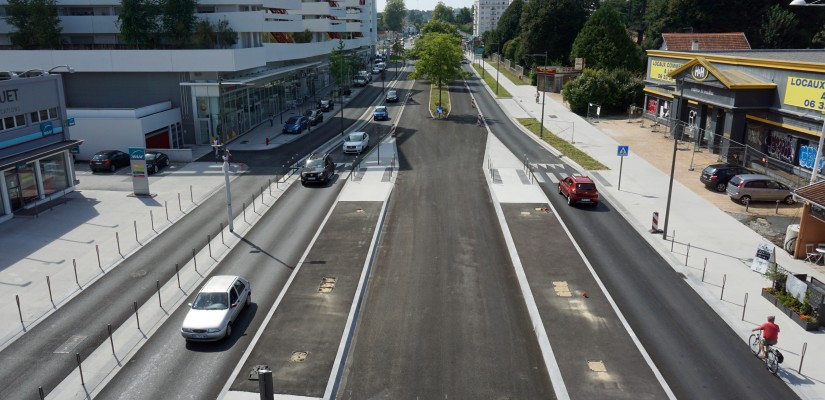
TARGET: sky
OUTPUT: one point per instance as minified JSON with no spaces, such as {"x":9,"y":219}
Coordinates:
{"x":427,"y":4}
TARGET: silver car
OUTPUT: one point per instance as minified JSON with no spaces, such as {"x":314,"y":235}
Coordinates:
{"x":753,"y":187}
{"x":215,"y":308}
{"x":356,"y":142}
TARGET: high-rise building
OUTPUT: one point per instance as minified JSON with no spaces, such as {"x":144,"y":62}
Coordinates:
{"x":280,"y":60}
{"x":487,"y":13}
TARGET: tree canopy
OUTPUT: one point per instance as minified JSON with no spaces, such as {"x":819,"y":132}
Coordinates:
{"x":138,"y":22}
{"x":439,"y":58}
{"x":36,"y":22}
{"x":439,"y":26}
{"x":550,"y":26}
{"x":393,"y":15}
{"x":443,"y":13}
{"x":178,"y":21}
{"x":604,"y":43}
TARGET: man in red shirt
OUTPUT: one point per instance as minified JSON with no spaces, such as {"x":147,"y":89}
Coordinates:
{"x":770,"y":335}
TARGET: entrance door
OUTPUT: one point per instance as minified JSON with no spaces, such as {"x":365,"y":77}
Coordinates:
{"x":205,"y":131}
{"x":15,"y":194}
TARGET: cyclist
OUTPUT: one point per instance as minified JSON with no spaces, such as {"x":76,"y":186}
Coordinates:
{"x":770,"y":335}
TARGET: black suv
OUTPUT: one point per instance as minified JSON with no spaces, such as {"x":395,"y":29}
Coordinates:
{"x":716,"y":176}
{"x":317,"y":168}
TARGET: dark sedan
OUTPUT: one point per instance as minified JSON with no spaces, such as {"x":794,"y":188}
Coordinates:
{"x":108,"y":160}
{"x":326,"y":105}
{"x":156,"y":160}
{"x":295,"y":124}
{"x":314,"y":117}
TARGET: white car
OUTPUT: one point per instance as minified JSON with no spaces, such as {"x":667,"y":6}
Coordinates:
{"x":215,"y":308}
{"x":356,"y":142}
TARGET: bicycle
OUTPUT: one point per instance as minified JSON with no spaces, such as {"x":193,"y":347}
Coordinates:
{"x":772,"y":356}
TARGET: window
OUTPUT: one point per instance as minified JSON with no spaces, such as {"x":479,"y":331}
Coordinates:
{"x":53,"y":172}
{"x":757,"y":185}
{"x":233,"y":296}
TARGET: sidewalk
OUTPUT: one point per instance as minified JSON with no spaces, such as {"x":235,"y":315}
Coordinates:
{"x":698,"y":224}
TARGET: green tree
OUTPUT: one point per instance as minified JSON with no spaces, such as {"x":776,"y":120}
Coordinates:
{"x":36,"y":22}
{"x":139,"y":22}
{"x":341,"y":63}
{"x":302,"y":37}
{"x":604,"y":43}
{"x":508,"y":24}
{"x":465,"y":16}
{"x":443,"y":13}
{"x":393,"y":15}
{"x":439,"y":26}
{"x":439,"y":58}
{"x":614,"y":90}
{"x":778,"y":29}
{"x":226,"y":36}
{"x":178,"y":21}
{"x":551,"y":26}
{"x":210,"y":36}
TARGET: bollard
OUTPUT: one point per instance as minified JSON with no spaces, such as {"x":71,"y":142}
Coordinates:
{"x":180,"y":207}
{"x":253,"y":204}
{"x":117,"y":239}
{"x":137,"y":317}
{"x":777,"y":207}
{"x":724,"y":278}
{"x":97,"y":249}
{"x":157,"y":284}
{"x":111,"y":341}
{"x":195,"y":260}
{"x":747,"y":205}
{"x":209,"y":244}
{"x":687,"y":254}
{"x":74,"y":264}
{"x":222,"y":242}
{"x":40,"y":391}
{"x":672,"y":240}
{"x":152,"y":219}
{"x":802,"y":357}
{"x":265,"y":387}
{"x":191,"y":197}
{"x":177,"y":274}
{"x":243,"y":206}
{"x":49,"y":284}
{"x":19,"y":311}
{"x":654,"y":228}
{"x":136,"y":236}
{"x":270,"y":186}
{"x":744,"y":306}
{"x":166,"y":208}
{"x":80,"y":367}
{"x":703,"y":269}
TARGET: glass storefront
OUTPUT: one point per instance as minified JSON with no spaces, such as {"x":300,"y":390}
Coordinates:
{"x":54,"y":174}
{"x":22,"y":186}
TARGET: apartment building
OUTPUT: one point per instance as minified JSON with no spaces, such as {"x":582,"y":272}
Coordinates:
{"x":487,"y":13}
{"x":264,"y":75}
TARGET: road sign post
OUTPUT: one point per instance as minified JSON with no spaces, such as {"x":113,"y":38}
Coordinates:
{"x":622,"y":153}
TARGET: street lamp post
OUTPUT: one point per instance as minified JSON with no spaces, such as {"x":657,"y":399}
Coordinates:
{"x":544,"y":96}
{"x":673,"y":160}
{"x":225,"y":167}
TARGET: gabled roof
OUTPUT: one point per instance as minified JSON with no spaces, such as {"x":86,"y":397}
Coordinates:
{"x":705,"y":41}
{"x":732,"y":79}
{"x":814,"y":193}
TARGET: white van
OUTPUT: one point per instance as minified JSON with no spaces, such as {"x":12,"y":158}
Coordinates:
{"x":382,"y":66}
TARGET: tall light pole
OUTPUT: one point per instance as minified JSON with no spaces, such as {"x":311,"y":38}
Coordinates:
{"x":815,"y":168}
{"x":544,"y":96}
{"x":673,"y":161}
{"x":225,"y":167}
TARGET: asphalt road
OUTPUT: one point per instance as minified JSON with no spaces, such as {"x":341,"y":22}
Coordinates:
{"x":442,"y":316}
{"x":695,"y":350}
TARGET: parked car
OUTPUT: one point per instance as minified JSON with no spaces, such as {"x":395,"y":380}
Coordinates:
{"x":295,"y":124}
{"x":716,"y":176}
{"x":326,"y":105}
{"x":380,"y":113}
{"x":108,"y":160}
{"x":392,"y":96}
{"x":156,"y":160}
{"x":754,"y":187}
{"x":359,"y":82}
{"x":364,"y":74}
{"x":465,"y":61}
{"x":317,"y":168}
{"x":356,"y":142}
{"x":579,"y":189}
{"x":314,"y":117}
{"x":376,"y":71}
{"x":215,"y":308}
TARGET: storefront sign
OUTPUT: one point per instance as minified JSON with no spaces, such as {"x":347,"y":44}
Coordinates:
{"x":659,"y":70}
{"x":699,"y":72}
{"x":140,"y":180}
{"x":765,"y":255}
{"x":805,"y":92}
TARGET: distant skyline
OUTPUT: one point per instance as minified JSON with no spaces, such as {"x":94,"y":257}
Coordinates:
{"x":425,"y":5}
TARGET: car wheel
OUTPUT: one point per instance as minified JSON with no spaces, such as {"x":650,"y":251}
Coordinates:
{"x":560,"y":190}
{"x":720,"y":187}
{"x":155,"y":169}
{"x":745,"y":200}
{"x":166,"y":163}
{"x":789,"y":200}
{"x":112,"y":168}
{"x":248,"y":299}
{"x":228,"y":331}
{"x":569,"y":200}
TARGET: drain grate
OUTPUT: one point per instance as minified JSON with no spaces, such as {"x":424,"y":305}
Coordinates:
{"x":561,"y":288}
{"x":596,"y":365}
{"x":298,"y":356}
{"x":253,"y":374}
{"x":327,"y":284}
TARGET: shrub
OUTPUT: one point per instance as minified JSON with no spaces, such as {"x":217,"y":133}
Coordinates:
{"x":613,"y":90}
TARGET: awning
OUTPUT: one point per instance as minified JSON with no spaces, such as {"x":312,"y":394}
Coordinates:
{"x":40,"y":152}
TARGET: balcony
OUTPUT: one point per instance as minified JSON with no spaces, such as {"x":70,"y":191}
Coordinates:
{"x":285,"y":4}
{"x":322,"y":8}
{"x":325,"y":25}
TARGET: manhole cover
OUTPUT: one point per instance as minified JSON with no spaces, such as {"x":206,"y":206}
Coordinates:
{"x":327,"y":284}
{"x":139,"y":273}
{"x":596,"y":366}
{"x":298,"y":356}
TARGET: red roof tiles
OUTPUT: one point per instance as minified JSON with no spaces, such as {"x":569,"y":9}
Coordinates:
{"x":706,"y":41}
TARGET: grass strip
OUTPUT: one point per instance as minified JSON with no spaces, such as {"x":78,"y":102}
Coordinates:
{"x":506,"y":72}
{"x":563,"y":146}
{"x":491,"y":82}
{"x":445,"y":98}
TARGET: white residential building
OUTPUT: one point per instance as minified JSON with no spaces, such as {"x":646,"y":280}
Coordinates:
{"x":487,"y":13}
{"x":262,"y":76}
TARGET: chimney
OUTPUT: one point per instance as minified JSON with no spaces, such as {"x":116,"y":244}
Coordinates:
{"x":694,"y":45}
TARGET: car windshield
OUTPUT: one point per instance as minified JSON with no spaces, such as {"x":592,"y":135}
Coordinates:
{"x":150,"y":156}
{"x":324,"y":102}
{"x":586,"y":186}
{"x":292,"y":120}
{"x":318,"y":163}
{"x":211,"y":301}
{"x":355,"y":137}
{"x":391,"y":93}
{"x":381,"y":109}
{"x":100,"y":157}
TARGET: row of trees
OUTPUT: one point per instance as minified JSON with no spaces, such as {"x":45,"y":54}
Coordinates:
{"x":143,"y":24}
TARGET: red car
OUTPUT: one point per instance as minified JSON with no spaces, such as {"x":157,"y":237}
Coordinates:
{"x":579,"y":189}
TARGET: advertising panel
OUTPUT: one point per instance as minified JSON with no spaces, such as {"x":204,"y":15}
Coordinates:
{"x":659,"y":69}
{"x":140,"y":178}
{"x":805,"y":92}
